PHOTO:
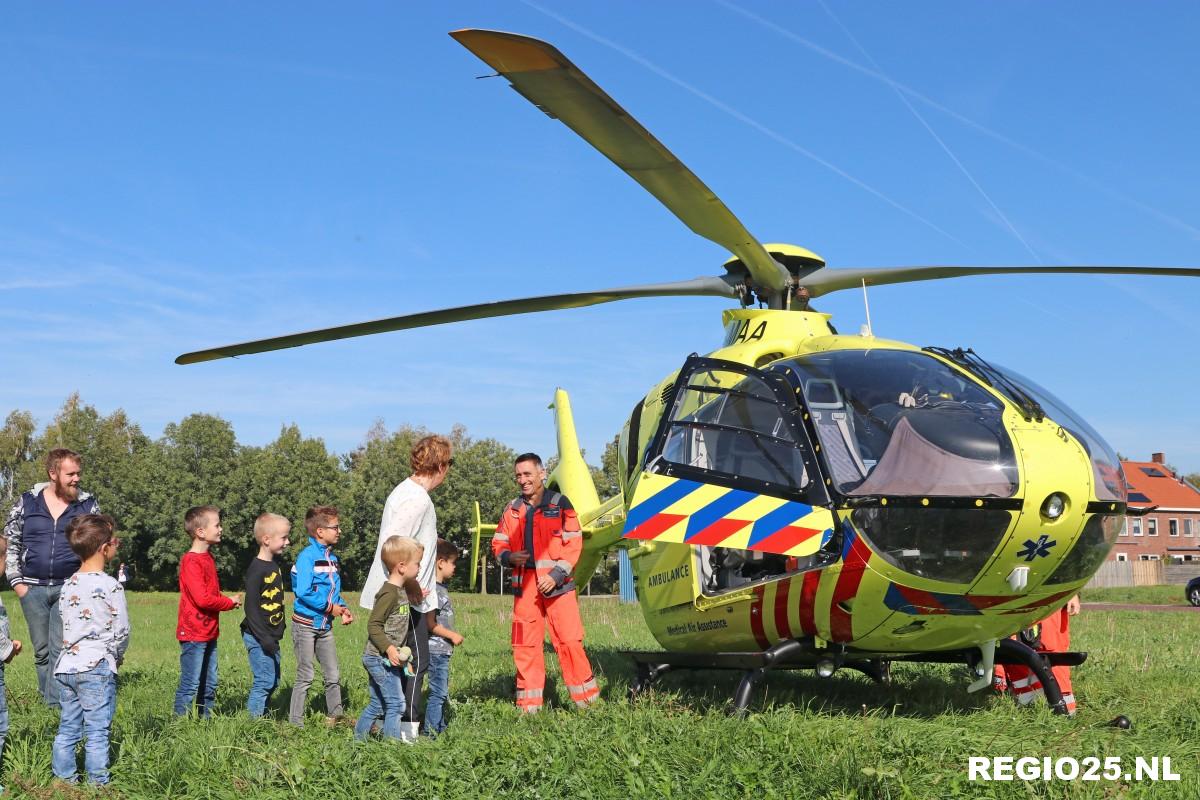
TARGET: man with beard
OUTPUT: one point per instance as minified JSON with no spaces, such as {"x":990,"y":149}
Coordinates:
{"x":539,"y":540}
{"x":39,"y":558}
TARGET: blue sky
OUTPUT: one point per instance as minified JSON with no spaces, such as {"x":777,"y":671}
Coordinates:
{"x":177,"y":176}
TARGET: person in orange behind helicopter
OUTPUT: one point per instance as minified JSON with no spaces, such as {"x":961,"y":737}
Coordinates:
{"x":1051,"y":635}
{"x":539,"y":540}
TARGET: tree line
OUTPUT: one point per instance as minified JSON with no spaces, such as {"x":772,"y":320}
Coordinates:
{"x":147,"y":484}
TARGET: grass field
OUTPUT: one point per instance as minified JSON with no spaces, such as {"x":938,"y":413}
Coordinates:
{"x":1149,"y":595}
{"x":838,"y":738}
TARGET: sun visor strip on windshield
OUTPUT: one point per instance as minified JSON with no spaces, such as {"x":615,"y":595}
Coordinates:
{"x":982,"y":503}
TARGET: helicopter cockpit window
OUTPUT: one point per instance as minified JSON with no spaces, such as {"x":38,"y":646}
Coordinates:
{"x":1097,"y":538}
{"x":898,"y":422}
{"x":731,"y":424}
{"x":944,"y":544}
{"x":1106,"y":467}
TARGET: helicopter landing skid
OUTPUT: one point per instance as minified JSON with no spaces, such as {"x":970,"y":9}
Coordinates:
{"x":788,"y":654}
{"x":798,"y":654}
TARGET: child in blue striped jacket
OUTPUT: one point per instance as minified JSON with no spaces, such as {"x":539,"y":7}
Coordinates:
{"x":317,"y":583}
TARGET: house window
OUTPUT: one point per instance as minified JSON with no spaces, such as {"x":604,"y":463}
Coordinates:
{"x":1152,"y":526}
{"x":1125,"y":527}
{"x":1122,"y":557}
{"x":1148,"y":557}
{"x":1137,"y":526}
{"x":1187,"y":527}
{"x":1172,"y":527}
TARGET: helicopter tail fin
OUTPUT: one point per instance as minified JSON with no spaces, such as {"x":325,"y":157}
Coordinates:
{"x":571,"y":475}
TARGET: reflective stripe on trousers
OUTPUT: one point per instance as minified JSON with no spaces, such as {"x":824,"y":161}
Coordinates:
{"x":529,"y":699}
{"x":533,"y":613}
{"x":585,"y":693}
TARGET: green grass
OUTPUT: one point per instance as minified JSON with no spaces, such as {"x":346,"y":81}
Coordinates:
{"x":1150,"y":595}
{"x":842,"y":737}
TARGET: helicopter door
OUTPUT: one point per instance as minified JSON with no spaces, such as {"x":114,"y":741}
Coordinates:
{"x":732,"y":471}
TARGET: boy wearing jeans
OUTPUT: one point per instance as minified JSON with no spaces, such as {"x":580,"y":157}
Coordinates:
{"x":442,"y":641}
{"x":317,"y":583}
{"x":200,"y":600}
{"x":95,"y":626}
{"x":263,"y":626}
{"x":386,"y":657}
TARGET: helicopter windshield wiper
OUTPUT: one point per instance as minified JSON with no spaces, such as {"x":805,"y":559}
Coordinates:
{"x":969,"y":360}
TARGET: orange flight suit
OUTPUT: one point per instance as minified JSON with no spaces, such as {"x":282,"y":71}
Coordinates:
{"x":1054,"y":637}
{"x":550,"y":534}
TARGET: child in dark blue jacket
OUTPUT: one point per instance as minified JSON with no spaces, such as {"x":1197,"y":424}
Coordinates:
{"x":317,"y":583}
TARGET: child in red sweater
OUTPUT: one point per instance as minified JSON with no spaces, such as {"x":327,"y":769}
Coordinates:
{"x":200,"y":600}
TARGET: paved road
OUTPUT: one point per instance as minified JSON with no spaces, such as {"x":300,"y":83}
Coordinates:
{"x":1136,"y":607}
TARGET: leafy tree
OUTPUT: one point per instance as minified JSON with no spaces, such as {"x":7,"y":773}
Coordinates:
{"x":288,"y":476}
{"x":196,"y":463}
{"x":374,"y":469}
{"x":481,"y":472}
{"x":147,"y":485}
{"x":16,"y":451}
{"x":608,"y":483}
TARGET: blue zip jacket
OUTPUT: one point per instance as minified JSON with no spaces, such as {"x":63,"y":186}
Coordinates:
{"x":38,"y":551}
{"x":317,"y":582}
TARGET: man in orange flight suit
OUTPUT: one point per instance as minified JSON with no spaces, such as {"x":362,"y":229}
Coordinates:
{"x":538,"y":538}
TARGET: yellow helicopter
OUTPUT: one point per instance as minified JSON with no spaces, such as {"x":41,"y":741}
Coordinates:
{"x":800,"y":497}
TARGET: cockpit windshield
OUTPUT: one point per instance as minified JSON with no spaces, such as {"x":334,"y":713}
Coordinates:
{"x":1106,"y":467}
{"x":898,"y":422}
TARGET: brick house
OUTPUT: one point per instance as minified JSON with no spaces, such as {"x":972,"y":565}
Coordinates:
{"x":1172,"y":529}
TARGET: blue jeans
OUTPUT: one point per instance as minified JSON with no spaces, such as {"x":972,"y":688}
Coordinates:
{"x":439,"y":693}
{"x":40,"y":607}
{"x":264,"y":669}
{"x":387,"y":698}
{"x":89,"y":700}
{"x":197,"y":676}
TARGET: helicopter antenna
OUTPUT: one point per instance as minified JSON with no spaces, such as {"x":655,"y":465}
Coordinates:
{"x":867,"y":329}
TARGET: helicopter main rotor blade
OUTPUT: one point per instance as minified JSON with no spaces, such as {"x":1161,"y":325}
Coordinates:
{"x":828,"y":280}
{"x":548,"y":79}
{"x":716,"y":287}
